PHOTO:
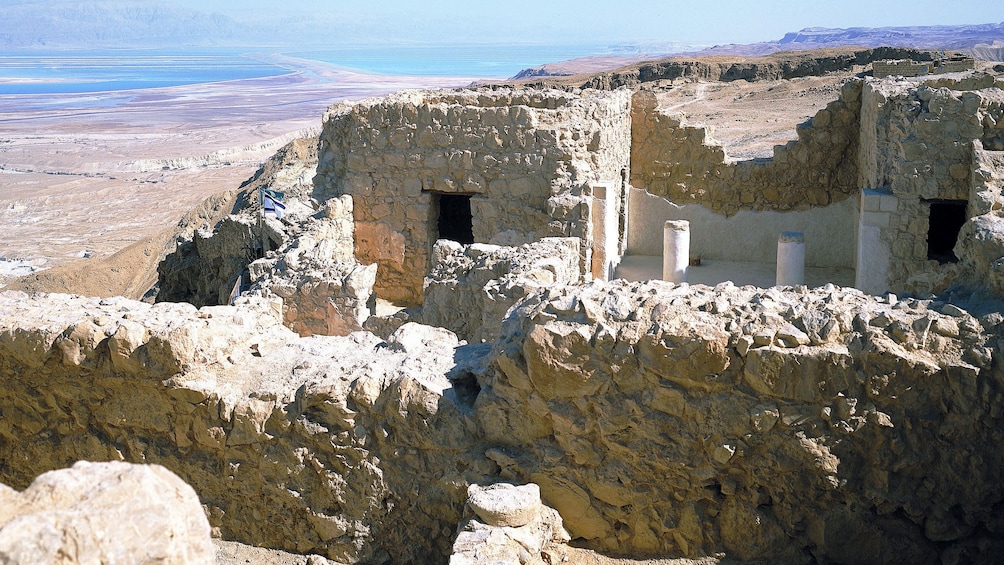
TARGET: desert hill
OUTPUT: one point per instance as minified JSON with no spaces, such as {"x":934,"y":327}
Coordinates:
{"x":983,"y":41}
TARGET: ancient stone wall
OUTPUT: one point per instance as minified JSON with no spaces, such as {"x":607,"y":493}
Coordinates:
{"x":470,"y":288}
{"x":917,"y":146}
{"x":351,"y":447}
{"x":525,"y":158}
{"x":766,"y":424}
{"x":657,"y":419}
{"x":672,"y":159}
{"x":323,"y":290}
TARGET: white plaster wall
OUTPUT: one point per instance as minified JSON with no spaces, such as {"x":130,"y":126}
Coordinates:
{"x":830,"y":232}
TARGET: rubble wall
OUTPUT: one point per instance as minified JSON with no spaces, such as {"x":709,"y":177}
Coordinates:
{"x":683,"y":164}
{"x":917,"y":145}
{"x":323,"y":290}
{"x":657,"y":419}
{"x":526,"y":158}
{"x":350,"y":447}
{"x":471,"y":287}
{"x":764,"y":424}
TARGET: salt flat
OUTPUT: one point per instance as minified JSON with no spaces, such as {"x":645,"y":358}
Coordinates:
{"x":88,"y":174}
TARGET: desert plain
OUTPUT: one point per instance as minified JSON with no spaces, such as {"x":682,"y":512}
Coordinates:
{"x":92,"y":184}
{"x":83,"y":176}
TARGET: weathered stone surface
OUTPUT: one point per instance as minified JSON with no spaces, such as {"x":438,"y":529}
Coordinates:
{"x":470,"y":288}
{"x":650,"y":418}
{"x":204,"y":266}
{"x":104,"y":513}
{"x":526,"y":158}
{"x":340,"y":446}
{"x":509,"y":525}
{"x":683,"y":446}
{"x":505,"y":505}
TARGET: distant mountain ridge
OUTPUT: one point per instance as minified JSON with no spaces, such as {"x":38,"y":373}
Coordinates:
{"x":982,"y":41}
{"x":110,"y":23}
{"x":918,"y":37}
{"x":974,"y":39}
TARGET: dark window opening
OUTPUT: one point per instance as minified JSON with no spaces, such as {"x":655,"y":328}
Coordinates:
{"x":945,"y":221}
{"x":456,"y":222}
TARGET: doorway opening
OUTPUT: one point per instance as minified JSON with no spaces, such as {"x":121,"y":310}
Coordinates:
{"x":456,"y":222}
{"x":944,"y":222}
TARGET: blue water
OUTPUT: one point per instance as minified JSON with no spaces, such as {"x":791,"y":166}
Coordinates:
{"x":86,"y":72}
{"x":480,"y":61}
{"x":101,"y":71}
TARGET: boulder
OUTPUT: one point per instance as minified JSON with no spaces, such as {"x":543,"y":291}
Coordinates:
{"x":104,"y":513}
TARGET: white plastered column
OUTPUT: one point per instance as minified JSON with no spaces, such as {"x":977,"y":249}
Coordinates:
{"x":675,"y":251}
{"x":791,"y":258}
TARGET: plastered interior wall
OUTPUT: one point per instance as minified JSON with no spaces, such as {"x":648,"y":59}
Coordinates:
{"x":527,"y":158}
{"x":830,"y":231}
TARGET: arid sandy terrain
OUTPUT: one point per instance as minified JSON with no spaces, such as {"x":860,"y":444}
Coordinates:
{"x":751,"y":118}
{"x":84,"y":176}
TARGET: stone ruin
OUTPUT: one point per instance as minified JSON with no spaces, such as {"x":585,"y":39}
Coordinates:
{"x":910,"y":68}
{"x":786,"y":424}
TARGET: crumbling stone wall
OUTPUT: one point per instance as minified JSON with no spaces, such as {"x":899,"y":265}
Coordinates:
{"x":471,"y":287}
{"x":786,"y":425}
{"x":917,"y":145}
{"x":351,"y":447}
{"x":527,"y":159}
{"x":207,"y":261}
{"x":657,"y":419}
{"x":680,"y":162}
{"x":981,"y":241}
{"x":323,"y":290}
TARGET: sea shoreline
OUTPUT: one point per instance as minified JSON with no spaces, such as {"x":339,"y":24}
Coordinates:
{"x":73,"y":181}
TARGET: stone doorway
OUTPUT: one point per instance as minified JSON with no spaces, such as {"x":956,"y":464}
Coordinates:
{"x":456,"y":222}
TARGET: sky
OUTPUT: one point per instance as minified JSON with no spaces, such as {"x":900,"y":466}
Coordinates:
{"x":706,"y":21}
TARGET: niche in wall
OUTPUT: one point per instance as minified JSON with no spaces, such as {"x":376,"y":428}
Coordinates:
{"x":455,"y":222}
{"x":944,"y":222}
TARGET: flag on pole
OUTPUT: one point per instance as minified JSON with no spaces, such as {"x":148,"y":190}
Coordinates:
{"x":271,"y":202}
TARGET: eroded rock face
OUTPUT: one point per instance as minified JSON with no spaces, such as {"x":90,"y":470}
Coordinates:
{"x":768,"y":424}
{"x":104,"y":513}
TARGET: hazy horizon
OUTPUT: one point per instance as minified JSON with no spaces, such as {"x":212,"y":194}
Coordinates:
{"x":229,"y":22}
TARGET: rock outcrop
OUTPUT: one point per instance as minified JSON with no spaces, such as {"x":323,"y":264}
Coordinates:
{"x":770,"y":67}
{"x":104,"y":513}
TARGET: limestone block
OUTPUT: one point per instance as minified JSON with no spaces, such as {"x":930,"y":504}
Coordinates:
{"x":505,"y":505}
{"x":104,"y":513}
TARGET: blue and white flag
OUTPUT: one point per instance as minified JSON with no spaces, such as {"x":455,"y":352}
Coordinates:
{"x":272,"y":206}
